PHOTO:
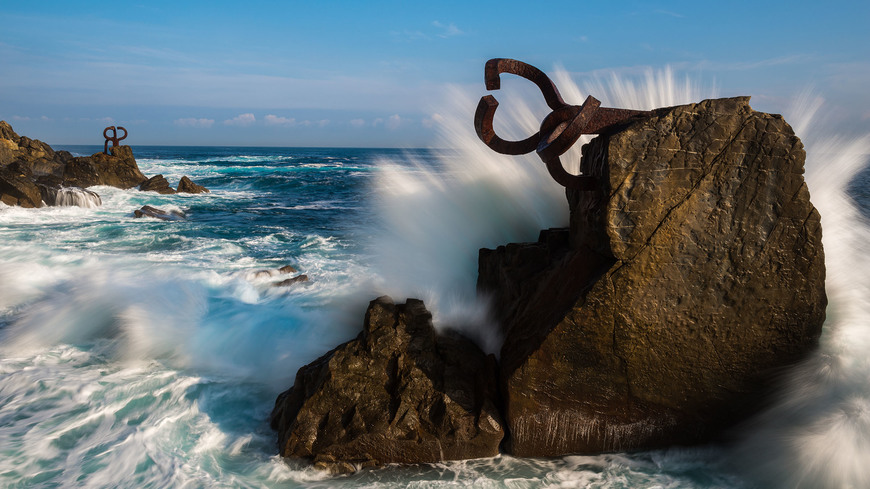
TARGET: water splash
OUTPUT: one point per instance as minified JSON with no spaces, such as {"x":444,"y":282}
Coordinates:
{"x":818,"y":433}
{"x":75,"y":196}
{"x":435,"y":219}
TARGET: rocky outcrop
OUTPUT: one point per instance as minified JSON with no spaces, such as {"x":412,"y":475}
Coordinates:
{"x":686,"y":281}
{"x":28,"y":167}
{"x":185,"y":185}
{"x":119,"y":169}
{"x":398,"y":393}
{"x":158,"y":184}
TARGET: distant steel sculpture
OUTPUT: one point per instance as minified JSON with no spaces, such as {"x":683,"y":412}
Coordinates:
{"x":114,"y":139}
{"x":559,"y":130}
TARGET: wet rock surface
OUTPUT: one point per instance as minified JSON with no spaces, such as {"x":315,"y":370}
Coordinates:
{"x":186,"y":185}
{"x":685,"y":283}
{"x":398,"y":393}
{"x":162,"y":214}
{"x":158,"y":184}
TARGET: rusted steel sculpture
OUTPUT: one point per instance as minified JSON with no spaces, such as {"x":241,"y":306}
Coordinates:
{"x":559,"y":130}
{"x":114,"y":139}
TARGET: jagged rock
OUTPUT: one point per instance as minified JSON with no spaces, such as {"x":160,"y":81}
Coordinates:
{"x":156,"y":184}
{"x":290,"y":281}
{"x":187,"y":186}
{"x":118,"y":169}
{"x":149,"y":211}
{"x":398,"y":393}
{"x":17,"y":186}
{"x":688,"y":280}
{"x":62,"y":169}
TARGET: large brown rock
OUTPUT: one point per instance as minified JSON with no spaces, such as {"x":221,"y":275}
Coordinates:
{"x":398,"y":393}
{"x":186,"y":185}
{"x":158,"y":184}
{"x":118,"y":169}
{"x":686,"y":281}
{"x":50,"y":168}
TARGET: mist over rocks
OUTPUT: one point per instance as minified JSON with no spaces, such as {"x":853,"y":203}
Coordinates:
{"x":398,"y":393}
{"x":687,"y":281}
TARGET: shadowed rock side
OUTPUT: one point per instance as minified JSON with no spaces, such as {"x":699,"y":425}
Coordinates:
{"x":398,"y":393}
{"x":685,"y":283}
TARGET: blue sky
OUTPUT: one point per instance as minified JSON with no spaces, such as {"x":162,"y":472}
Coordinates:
{"x":373,"y":73}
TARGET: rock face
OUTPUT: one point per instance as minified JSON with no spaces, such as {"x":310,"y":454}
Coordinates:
{"x":158,"y":184}
{"x":185,"y":185}
{"x":117,"y":170}
{"x":398,"y":393}
{"x":685,"y":281}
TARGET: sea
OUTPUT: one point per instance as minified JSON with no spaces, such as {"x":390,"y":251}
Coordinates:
{"x":142,"y":353}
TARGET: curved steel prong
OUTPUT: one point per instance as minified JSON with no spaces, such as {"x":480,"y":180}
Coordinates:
{"x":496,"y":66}
{"x":567,"y":180}
{"x":122,"y":137}
{"x":483,"y":117}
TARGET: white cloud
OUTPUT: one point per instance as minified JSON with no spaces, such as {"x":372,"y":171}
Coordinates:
{"x":193,"y":122}
{"x":377,"y":122}
{"x":430,"y":121}
{"x":274,"y":120}
{"x":357,"y":122}
{"x":394,"y":121}
{"x":20,"y":118}
{"x":323,"y":122}
{"x":448,"y":30}
{"x":241,"y":120}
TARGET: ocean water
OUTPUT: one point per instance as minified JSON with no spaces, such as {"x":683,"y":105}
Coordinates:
{"x":144,"y":353}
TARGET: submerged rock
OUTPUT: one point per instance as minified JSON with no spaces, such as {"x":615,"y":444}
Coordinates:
{"x":158,"y":184}
{"x":398,"y":393}
{"x":685,"y":283}
{"x":185,"y":185}
{"x":290,"y":281}
{"x":148,"y":211}
{"x":286,"y":269}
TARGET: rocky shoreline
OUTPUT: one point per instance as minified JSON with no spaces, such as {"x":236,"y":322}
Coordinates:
{"x":32,"y":174}
{"x":686,"y":281}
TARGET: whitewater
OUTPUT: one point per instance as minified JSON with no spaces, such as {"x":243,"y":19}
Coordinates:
{"x":144,"y":353}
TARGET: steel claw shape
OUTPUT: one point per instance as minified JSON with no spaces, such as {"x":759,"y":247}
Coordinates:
{"x":114,"y":138}
{"x":559,"y":130}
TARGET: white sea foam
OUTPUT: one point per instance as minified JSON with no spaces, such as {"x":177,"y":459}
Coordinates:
{"x":818,"y":433}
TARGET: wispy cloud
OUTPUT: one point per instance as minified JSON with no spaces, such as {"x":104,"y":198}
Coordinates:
{"x":430,"y":121}
{"x":357,"y":123}
{"x":241,"y":120}
{"x":447,"y":30}
{"x":193,"y":122}
{"x":669,"y":13}
{"x":274,"y":120}
{"x":394,"y":121}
